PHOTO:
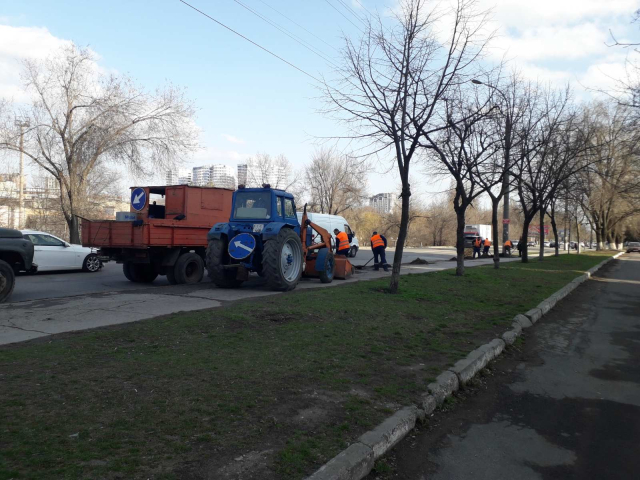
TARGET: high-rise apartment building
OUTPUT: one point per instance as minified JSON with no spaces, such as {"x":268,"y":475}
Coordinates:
{"x":201,"y":176}
{"x":382,"y":202}
{"x":243,"y":169}
{"x":223,"y":176}
{"x":253,"y":176}
{"x":181,"y":176}
{"x":218,"y":175}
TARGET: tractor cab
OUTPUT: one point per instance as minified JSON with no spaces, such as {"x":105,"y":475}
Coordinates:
{"x":261,"y":206}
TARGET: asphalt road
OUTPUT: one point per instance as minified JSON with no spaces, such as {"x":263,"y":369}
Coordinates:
{"x":565,"y":406}
{"x":111,"y":279}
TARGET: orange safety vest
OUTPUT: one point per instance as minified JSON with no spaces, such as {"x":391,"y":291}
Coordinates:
{"x":376,"y":241}
{"x":476,"y":243}
{"x":343,"y":241}
{"x":487,"y":242}
{"x":508,"y":244}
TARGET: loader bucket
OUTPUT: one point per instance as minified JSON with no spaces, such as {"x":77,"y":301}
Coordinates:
{"x":344,"y":269}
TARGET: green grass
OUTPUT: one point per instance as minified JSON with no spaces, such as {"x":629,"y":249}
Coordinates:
{"x":296,"y":376}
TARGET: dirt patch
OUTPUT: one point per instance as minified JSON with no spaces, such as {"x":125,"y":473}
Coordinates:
{"x":418,"y":261}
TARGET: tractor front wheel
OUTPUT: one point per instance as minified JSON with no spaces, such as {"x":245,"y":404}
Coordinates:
{"x":282,"y":260}
{"x":326,"y":276}
{"x":217,"y":257}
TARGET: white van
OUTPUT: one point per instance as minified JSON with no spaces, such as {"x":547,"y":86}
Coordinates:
{"x":329,"y":222}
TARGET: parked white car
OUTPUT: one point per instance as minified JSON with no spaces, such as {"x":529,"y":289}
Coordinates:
{"x":53,"y":253}
{"x":329,"y":222}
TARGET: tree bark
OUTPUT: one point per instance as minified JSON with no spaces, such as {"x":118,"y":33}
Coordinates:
{"x":525,"y":248}
{"x":554,"y":226}
{"x":541,"y":254}
{"x":402,"y":235}
{"x":74,"y":230}
{"x":494,"y":228}
{"x":460,"y":242}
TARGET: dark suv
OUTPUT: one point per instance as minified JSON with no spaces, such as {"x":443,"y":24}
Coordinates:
{"x":16,"y":255}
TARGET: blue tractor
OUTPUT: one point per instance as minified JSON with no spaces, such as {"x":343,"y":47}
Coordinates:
{"x":264,"y":236}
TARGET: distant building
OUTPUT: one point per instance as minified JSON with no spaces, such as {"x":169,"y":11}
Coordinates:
{"x":253,"y":176}
{"x":201,"y":176}
{"x":382,"y":202}
{"x":243,"y":169}
{"x":181,"y":176}
{"x":223,"y":176}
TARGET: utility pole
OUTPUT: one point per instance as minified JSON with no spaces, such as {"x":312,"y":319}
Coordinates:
{"x":22,"y":124}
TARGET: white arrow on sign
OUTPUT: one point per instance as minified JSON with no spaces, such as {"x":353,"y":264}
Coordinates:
{"x":137,"y":199}
{"x":240,"y":245}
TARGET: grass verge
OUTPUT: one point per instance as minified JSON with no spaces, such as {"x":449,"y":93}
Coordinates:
{"x":263,"y":388}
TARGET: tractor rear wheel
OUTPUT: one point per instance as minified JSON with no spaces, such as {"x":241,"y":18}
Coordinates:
{"x":7,"y":280}
{"x":282,"y":260}
{"x":217,"y":257}
{"x":189,"y":269}
{"x":326,"y":276}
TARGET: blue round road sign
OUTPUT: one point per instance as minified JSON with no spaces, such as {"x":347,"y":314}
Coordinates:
{"x":241,"y":246}
{"x":138,"y":198}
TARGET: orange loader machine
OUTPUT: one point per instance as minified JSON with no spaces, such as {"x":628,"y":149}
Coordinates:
{"x":320,"y":261}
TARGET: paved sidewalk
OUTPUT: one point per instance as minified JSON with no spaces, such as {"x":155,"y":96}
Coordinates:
{"x":20,"y":321}
{"x":567,"y":406}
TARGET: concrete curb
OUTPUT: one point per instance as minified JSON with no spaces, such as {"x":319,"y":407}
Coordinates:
{"x":357,"y":460}
{"x":446,"y":383}
{"x":391,"y":431}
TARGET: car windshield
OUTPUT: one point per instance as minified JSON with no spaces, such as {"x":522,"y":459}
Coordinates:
{"x":634,"y":244}
{"x":253,"y":205}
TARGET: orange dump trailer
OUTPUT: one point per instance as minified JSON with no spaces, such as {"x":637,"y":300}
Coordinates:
{"x":164,"y":233}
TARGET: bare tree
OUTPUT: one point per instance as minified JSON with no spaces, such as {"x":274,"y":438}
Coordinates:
{"x":550,"y":147}
{"x":627,"y":90}
{"x":276,"y":171}
{"x":394,"y":80}
{"x":442,"y":222}
{"x":608,"y":190}
{"x":335,"y":183}
{"x":513,"y":99}
{"x":461,"y":151}
{"x":81,"y":119}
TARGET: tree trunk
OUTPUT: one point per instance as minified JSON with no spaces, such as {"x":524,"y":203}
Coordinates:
{"x":402,"y":235}
{"x":74,"y":230}
{"x":554,"y":226}
{"x":523,"y":240}
{"x":569,"y":243}
{"x":494,"y":232}
{"x":578,"y":236}
{"x":460,"y":242}
{"x":541,"y":254}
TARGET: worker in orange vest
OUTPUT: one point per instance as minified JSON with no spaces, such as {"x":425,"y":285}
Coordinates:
{"x":342,"y":243}
{"x":487,"y":244}
{"x":378,"y":246}
{"x":477,"y":243}
{"x":508,"y":245}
